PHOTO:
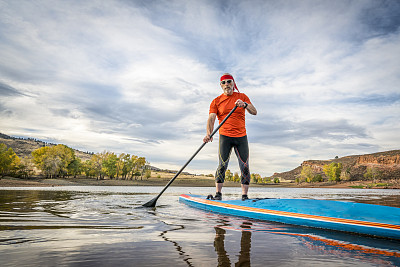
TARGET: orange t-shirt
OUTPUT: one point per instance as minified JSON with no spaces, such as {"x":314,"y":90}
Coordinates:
{"x":235,"y":125}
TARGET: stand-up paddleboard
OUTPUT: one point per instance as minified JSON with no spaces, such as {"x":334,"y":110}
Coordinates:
{"x":352,"y":217}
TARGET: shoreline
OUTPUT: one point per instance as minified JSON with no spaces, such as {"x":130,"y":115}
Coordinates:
{"x":188,"y":181}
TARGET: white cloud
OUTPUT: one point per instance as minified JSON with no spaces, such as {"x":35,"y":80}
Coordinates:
{"x":138,"y":77}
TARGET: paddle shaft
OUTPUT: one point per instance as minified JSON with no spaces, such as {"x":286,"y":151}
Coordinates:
{"x":152,"y":203}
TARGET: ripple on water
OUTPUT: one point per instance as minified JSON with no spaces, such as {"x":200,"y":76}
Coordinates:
{"x":100,"y":227}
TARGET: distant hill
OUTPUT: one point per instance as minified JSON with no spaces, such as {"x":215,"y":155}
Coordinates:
{"x":24,"y":147}
{"x":388,"y":163}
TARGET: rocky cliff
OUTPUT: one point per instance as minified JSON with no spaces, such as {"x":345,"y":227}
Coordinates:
{"x":381,"y":160}
{"x":387,"y":164}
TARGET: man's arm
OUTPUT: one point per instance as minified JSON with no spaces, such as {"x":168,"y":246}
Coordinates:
{"x":210,"y":127}
{"x":249,"y":107}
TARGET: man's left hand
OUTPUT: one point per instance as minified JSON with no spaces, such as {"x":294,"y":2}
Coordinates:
{"x":240,"y":103}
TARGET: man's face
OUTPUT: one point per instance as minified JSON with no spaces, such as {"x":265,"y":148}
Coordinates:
{"x":227,"y":86}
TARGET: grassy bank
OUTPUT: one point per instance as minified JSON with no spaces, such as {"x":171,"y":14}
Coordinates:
{"x":184,"y":180}
{"x":161,"y":179}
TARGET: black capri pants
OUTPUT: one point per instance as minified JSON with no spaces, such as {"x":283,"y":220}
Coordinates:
{"x":241,"y":147}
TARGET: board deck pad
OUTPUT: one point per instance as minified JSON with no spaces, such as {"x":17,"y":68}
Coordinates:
{"x":353,"y":217}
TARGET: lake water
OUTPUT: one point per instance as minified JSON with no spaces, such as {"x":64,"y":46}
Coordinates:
{"x":106,"y":226}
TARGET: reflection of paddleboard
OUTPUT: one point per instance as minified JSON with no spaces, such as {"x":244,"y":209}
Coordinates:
{"x":328,"y":214}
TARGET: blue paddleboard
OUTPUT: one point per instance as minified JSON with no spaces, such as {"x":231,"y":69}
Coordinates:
{"x":352,"y":217}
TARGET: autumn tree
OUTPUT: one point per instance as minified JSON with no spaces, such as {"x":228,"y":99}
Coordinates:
{"x":9,"y":161}
{"x":66,"y":155}
{"x":255,"y":178}
{"x":124,"y":163}
{"x":140,"y":165}
{"x":147,"y":172}
{"x":333,"y":171}
{"x":373,"y":174}
{"x":40,"y":156}
{"x":123,"y":166}
{"x":60,"y":160}
{"x":266,"y":180}
{"x":53,"y":161}
{"x":308,"y":175}
{"x":236,"y":177}
{"x":228,"y":175}
{"x":25,"y":168}
{"x":88,"y":168}
{"x":96,"y":163}
{"x":75,"y":167}
{"x":110,"y":164}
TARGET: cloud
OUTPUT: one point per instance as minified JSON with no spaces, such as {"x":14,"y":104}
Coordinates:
{"x":6,"y":90}
{"x":138,"y":76}
{"x":289,"y":131}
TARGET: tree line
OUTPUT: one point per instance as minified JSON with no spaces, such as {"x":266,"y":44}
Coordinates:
{"x":334,"y":172}
{"x":254,"y":177}
{"x":61,"y":161}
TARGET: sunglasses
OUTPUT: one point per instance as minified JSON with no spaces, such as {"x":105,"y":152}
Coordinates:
{"x":227,"y":81}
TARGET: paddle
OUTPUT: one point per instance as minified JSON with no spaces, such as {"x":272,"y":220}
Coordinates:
{"x":152,"y":203}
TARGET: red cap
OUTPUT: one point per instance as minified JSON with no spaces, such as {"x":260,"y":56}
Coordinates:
{"x":228,"y":76}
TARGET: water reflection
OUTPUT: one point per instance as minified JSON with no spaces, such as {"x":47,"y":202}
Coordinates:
{"x":28,"y":201}
{"x":366,"y":249}
{"x":245,"y":245}
{"x":104,"y":228}
{"x":219,"y":244}
{"x":182,"y":254}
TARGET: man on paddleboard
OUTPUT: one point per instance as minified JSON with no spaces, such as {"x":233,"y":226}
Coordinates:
{"x":232,"y":133}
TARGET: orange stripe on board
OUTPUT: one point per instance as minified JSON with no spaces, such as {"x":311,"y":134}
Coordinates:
{"x":329,"y":242}
{"x":293,"y":214}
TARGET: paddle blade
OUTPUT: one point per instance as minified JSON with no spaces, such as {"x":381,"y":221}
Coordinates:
{"x":151,"y":203}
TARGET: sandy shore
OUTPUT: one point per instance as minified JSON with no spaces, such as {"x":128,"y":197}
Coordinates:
{"x":184,"y":181}
{"x":42,"y":182}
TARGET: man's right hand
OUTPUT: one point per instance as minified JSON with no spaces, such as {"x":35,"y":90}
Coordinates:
{"x":207,"y":139}
{"x":210,"y":127}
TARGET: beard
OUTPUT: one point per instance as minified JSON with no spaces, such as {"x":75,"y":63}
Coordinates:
{"x":228,"y":90}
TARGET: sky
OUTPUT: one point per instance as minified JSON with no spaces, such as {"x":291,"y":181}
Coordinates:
{"x":138,"y":77}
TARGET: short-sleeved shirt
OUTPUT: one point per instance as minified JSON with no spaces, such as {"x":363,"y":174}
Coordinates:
{"x":235,"y":125}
